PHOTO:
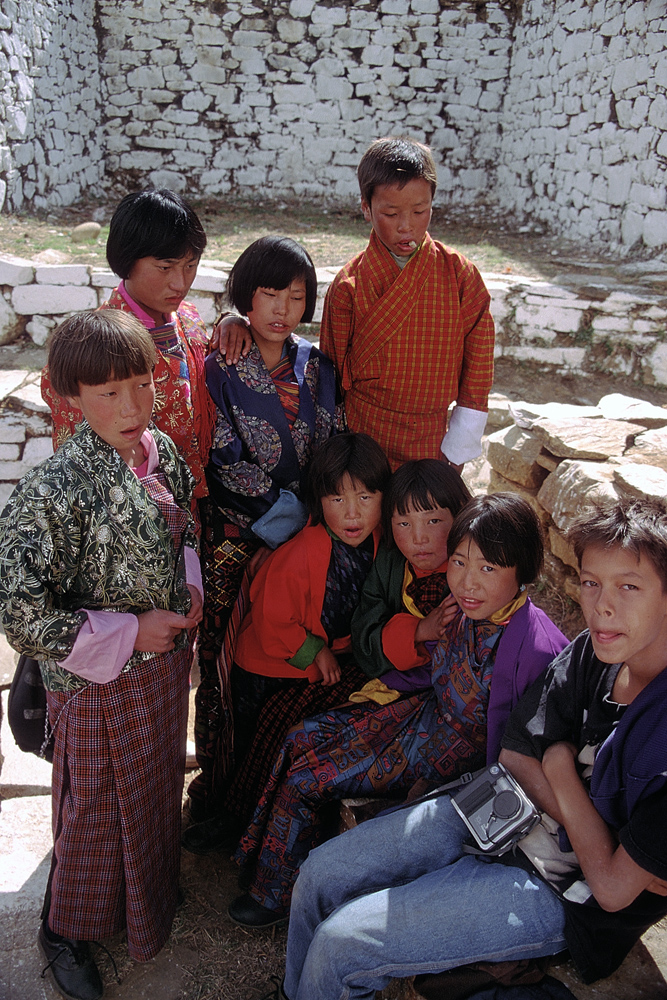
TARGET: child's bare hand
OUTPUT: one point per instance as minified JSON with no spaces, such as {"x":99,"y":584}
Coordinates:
{"x":432,"y":628}
{"x":328,"y":666}
{"x":232,"y":338}
{"x":196,"y":612}
{"x":158,"y":630}
{"x":449,"y":609}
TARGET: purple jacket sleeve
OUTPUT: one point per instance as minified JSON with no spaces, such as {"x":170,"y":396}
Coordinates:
{"x":528,"y":645}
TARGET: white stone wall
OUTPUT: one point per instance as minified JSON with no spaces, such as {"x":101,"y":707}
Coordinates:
{"x":51,"y":149}
{"x":557,"y":119}
{"x":584,"y":145}
{"x":280,"y":100}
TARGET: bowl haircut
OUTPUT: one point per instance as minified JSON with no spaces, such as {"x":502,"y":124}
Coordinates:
{"x":506,"y":530}
{"x":358,"y":455}
{"x":91,"y":348}
{"x":422,"y":484}
{"x":271,"y":262}
{"x":395,"y":160}
{"x":638,"y":526}
{"x":153,"y":223}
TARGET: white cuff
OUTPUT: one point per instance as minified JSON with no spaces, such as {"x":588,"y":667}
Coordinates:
{"x":463,"y":440}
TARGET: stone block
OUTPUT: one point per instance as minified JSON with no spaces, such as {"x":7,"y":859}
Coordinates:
{"x":550,"y":317}
{"x":655,"y":365}
{"x":526,"y":414}
{"x":498,"y":484}
{"x":39,"y":329}
{"x":36,"y":450}
{"x":209,"y":279}
{"x":15,"y":270}
{"x":62,"y":274}
{"x":585,"y":438}
{"x":293,"y":94}
{"x":103,"y":279}
{"x":650,"y":448}
{"x":9,"y":452}
{"x":11,"y":325}
{"x":655,"y":229}
{"x":617,"y":406}
{"x":639,"y":480}
{"x":206,"y":307}
{"x":561,"y":548}
{"x":290,"y":31}
{"x":563,"y":357}
{"x":573,"y":486}
{"x":48,"y":299}
{"x":513,"y":452}
{"x":12,"y":429}
{"x":333,"y":16}
{"x":555,"y":571}
{"x":499,"y":411}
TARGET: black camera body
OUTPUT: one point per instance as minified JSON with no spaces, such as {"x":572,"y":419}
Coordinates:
{"x":496,"y":810}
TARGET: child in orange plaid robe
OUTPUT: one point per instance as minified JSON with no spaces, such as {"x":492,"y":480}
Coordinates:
{"x":407,"y":321}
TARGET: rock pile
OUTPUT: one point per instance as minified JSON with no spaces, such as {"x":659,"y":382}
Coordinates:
{"x":561,"y":457}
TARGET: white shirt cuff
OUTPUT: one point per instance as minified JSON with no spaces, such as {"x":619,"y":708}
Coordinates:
{"x":463,"y":440}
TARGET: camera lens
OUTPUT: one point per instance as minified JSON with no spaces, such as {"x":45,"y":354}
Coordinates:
{"x":506,"y":804}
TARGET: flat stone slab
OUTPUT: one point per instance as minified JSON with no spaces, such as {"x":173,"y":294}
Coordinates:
{"x":586,"y":438}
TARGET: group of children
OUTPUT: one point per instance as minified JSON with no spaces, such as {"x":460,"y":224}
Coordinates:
{"x":361,"y":632}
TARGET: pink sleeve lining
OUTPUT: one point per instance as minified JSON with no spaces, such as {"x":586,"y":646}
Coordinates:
{"x":193,"y":570}
{"x":103,"y":646}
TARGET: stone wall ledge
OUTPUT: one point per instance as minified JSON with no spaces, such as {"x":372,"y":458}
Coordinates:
{"x":560,"y":325}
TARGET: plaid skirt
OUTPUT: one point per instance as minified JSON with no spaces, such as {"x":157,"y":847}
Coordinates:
{"x":118,"y":768}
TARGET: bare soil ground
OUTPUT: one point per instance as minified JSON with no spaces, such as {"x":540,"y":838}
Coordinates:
{"x":331,"y":236}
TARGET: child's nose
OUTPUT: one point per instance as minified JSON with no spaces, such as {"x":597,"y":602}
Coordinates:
{"x":178,"y":280}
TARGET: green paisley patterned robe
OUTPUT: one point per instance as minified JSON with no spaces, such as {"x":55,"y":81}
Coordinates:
{"x":81,"y":532}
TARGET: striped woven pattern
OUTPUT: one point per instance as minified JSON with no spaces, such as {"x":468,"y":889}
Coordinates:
{"x":118,"y":768}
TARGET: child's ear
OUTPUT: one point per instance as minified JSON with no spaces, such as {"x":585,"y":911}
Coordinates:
{"x":366,"y":209}
{"x":74,"y":401}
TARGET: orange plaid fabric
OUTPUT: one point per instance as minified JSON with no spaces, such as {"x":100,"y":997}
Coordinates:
{"x":406,"y":343}
{"x":183,"y":408}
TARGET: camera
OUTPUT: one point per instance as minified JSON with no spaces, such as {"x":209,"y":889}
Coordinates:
{"x":495,"y":809}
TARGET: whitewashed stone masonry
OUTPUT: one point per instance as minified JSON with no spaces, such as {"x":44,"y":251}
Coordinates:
{"x":552,"y":113}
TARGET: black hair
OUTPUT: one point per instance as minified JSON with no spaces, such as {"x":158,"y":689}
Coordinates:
{"x":506,"y":530}
{"x":638,"y":526}
{"x":271,"y":262}
{"x":395,"y":160}
{"x":356,"y":454}
{"x":422,"y":484}
{"x":91,"y":348}
{"x":153,"y":223}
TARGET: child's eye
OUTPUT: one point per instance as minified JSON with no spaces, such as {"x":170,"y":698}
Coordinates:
{"x":435,"y":520}
{"x":457,"y":562}
{"x":488,"y":568}
{"x":588,"y":583}
{"x":629,"y":586}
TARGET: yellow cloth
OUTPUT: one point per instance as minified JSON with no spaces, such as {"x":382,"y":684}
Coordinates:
{"x":503,"y":615}
{"x":376,"y":691}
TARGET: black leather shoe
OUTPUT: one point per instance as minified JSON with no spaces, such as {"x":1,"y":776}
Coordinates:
{"x":72,"y":967}
{"x":210,"y":835}
{"x":247,"y":912}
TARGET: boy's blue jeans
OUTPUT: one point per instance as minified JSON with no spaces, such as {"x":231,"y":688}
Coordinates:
{"x":396,"y":896}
